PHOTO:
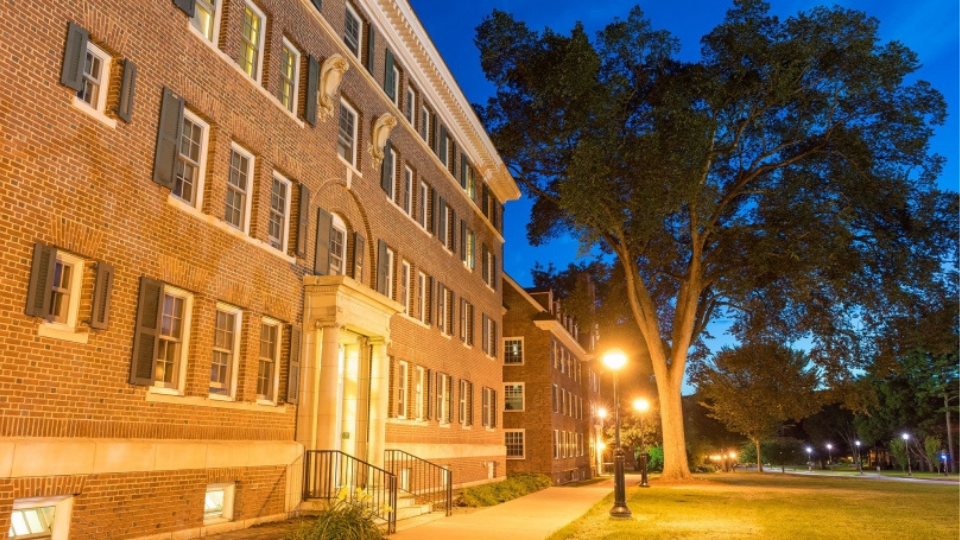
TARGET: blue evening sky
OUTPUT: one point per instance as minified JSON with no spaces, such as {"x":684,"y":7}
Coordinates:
{"x":928,"y":27}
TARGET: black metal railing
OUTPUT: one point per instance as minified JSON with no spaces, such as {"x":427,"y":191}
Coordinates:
{"x":329,"y":474}
{"x":426,"y":481}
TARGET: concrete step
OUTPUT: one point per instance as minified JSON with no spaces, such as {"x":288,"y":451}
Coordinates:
{"x":422,"y":519}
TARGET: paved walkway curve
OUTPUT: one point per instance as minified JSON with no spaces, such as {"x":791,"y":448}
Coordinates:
{"x":533,"y":517}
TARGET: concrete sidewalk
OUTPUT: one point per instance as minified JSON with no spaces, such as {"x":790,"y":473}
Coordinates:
{"x":533,"y":517}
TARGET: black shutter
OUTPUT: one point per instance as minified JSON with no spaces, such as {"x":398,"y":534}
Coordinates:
{"x":484,"y":201}
{"x":41,"y":281}
{"x":451,"y":308}
{"x":388,"y":79}
{"x":74,"y":57}
{"x":484,"y":264}
{"x":371,"y":48}
{"x":463,"y":170}
{"x":450,"y":399}
{"x":442,"y":145}
{"x":313,"y":78}
{"x":494,"y":274}
{"x":494,"y":339}
{"x":359,"y":245}
{"x":168,"y":139}
{"x":485,"y":334}
{"x":188,"y":6}
{"x":127,"y":87}
{"x":428,"y":394}
{"x":303,"y":221}
{"x":442,"y":225}
{"x":432,"y":221}
{"x":441,"y":317}
{"x":381,"y":267}
{"x":321,"y":255}
{"x":499,"y":223}
{"x":102,"y":289}
{"x":386,"y":169}
{"x":463,"y":240}
{"x":146,"y":332}
{"x":493,"y":408}
{"x":453,"y":230}
{"x":431,"y":311}
{"x":436,"y":134}
{"x":317,"y":4}
{"x":293,"y":371}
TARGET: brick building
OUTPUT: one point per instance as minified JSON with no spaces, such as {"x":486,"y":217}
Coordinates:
{"x":551,"y":388}
{"x":235,"y":231}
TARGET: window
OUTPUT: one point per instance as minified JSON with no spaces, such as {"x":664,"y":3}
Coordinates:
{"x":289,"y":75}
{"x":65,"y":292}
{"x":443,"y":398}
{"x":390,"y":169}
{"x":403,"y":371}
{"x":239,"y":182}
{"x":96,"y":74}
{"x":513,"y":350}
{"x":410,"y":104}
{"x":471,"y":250}
{"x":267,"y":372}
{"x":347,"y":134}
{"x":514,"y":441}
{"x":418,"y":392}
{"x":338,"y":246}
{"x":471,"y":183}
{"x":422,"y":204}
{"x":226,"y":346}
{"x":395,"y":93}
{"x":442,"y":311}
{"x":513,"y":397}
{"x":556,"y":444}
{"x":466,"y":402}
{"x":352,"y":31}
{"x":389,"y":289}
{"x":279,"y":225}
{"x":421,"y":296}
{"x":408,"y":190}
{"x":405,"y":286}
{"x":251,"y":43}
{"x":556,"y":399}
{"x":41,"y":518}
{"x":490,"y":337}
{"x":468,"y":322}
{"x":489,"y":409}
{"x":170,"y":350}
{"x":425,"y":124}
{"x":205,"y":19}
{"x":218,"y":502}
{"x":191,"y":159}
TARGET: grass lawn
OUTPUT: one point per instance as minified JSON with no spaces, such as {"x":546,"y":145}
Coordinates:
{"x":776,"y":507}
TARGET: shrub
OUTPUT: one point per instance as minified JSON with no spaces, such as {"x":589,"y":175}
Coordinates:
{"x":655,"y":461}
{"x":346,"y":518}
{"x":498,"y":492}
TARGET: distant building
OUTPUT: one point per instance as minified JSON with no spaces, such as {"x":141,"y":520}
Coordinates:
{"x":237,"y":234}
{"x":551,"y":388}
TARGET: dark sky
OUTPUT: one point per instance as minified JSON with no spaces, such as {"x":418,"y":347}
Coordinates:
{"x":928,"y":27}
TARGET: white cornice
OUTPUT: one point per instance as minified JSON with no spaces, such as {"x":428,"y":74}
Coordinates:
{"x":552,"y":325}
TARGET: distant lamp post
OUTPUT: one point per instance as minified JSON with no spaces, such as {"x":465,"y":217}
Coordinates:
{"x":830,"y":456}
{"x":857,"y":457}
{"x":809,"y":459}
{"x":906,"y":448}
{"x":602,"y":413}
{"x":641,"y":405}
{"x":943,"y":459}
{"x":615,"y":359}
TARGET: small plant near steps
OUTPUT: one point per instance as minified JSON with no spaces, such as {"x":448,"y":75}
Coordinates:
{"x":346,"y":517}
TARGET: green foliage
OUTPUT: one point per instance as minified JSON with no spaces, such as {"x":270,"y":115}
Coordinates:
{"x":345,"y":519}
{"x":931,"y":450}
{"x":898,"y":450}
{"x":498,"y":492}
{"x":655,"y":462}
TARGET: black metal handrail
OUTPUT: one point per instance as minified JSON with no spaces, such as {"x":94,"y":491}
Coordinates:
{"x":330,"y":473}
{"x":426,"y":481}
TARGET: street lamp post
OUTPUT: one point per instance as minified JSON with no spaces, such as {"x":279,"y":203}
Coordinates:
{"x":616,"y":359}
{"x":810,"y":459}
{"x":906,"y":448}
{"x":641,"y":405}
{"x":830,"y":456}
{"x":857,"y":457}
{"x":943,"y":458}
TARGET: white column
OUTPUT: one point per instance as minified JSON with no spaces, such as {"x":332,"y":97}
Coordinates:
{"x":328,"y":389}
{"x":310,"y":392}
{"x":379,"y":400}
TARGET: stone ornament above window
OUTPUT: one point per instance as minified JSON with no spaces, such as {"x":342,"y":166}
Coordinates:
{"x":378,"y":140}
{"x":331,"y":73}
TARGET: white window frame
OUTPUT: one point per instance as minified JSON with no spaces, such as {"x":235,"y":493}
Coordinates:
{"x":393,"y":194}
{"x":285,"y":224}
{"x":421,"y":296}
{"x":471,"y":250}
{"x":229,"y":495}
{"x":261,"y":40}
{"x":466,"y":399}
{"x":396,"y":85}
{"x":248,"y":194}
{"x":356,"y":120}
{"x":423,"y":204}
{"x":74,"y":290}
{"x":523,"y":443}
{"x":405,"y":280}
{"x":403,"y":375}
{"x":418,"y":391}
{"x":272,"y":399}
{"x":214,"y":23}
{"x":177,"y":387}
{"x":104,"y":80}
{"x":556,"y":444}
{"x":443,"y":394}
{"x":407,"y":190}
{"x":62,"y":510}
{"x":523,"y":396}
{"x":189,"y":116}
{"x":340,"y":226}
{"x":351,"y":11}
{"x":522,"y":356}
{"x":295,"y":80}
{"x":233,"y":375}
{"x":441,"y":319}
{"x":390,"y":263}
{"x":410,"y":106}
{"x":425,"y":124}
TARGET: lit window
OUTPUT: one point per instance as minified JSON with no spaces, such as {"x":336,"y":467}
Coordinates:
{"x":352,"y":31}
{"x":338,"y":246}
{"x":389,"y":292}
{"x":41,"y":518}
{"x":466,"y":402}
{"x":279,"y":224}
{"x":65,"y":293}
{"x":513,"y":397}
{"x":513,"y":351}
{"x":205,"y":18}
{"x":191,"y":156}
{"x":238,"y":189}
{"x":421,"y":296}
{"x":347,"y":134}
{"x":471,"y":250}
{"x":226,"y":345}
{"x":170,"y":350}
{"x":402,"y":374}
{"x":289,"y":72}
{"x":513,"y":438}
{"x":418,"y":389}
{"x":251,"y":43}
{"x":269,"y":360}
{"x":218,"y":502}
{"x":405,"y":286}
{"x":443,"y":398}
{"x":96,"y":74}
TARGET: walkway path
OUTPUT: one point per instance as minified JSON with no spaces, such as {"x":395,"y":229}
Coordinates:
{"x":869,"y":476}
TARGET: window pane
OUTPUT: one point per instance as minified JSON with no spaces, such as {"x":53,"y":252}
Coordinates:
{"x":514,"y":351}
{"x":513,"y":397}
{"x":351,"y":32}
{"x":278,"y":210}
{"x":213,"y":503}
{"x":250,"y":45}
{"x":345,"y":139}
{"x":237,"y":189}
{"x":203,"y":16}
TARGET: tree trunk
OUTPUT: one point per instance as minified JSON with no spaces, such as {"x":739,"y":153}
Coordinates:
{"x":951,"y":455}
{"x":756,"y":443}
{"x":675,"y":466}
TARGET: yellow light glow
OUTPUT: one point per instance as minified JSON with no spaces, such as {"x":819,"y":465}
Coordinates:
{"x":641,"y":404}
{"x":601,"y":412}
{"x":615,"y":359}
{"x":602,"y":446}
{"x":733,"y":455}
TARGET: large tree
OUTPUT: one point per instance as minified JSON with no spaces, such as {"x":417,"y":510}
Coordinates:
{"x":784,"y":180}
{"x":757,"y":387}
